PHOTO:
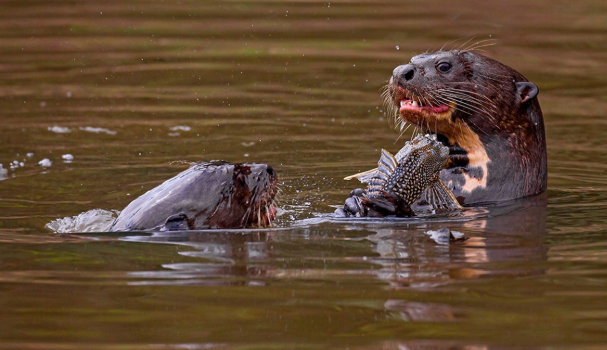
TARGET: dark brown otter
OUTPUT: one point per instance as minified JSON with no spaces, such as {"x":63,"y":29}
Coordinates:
{"x":486,"y":113}
{"x":215,"y":195}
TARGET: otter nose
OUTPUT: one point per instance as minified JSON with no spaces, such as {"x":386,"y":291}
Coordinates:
{"x":403,"y":73}
{"x":270,"y":171}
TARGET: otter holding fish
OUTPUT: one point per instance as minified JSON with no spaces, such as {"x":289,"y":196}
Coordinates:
{"x":400,"y":180}
{"x":485,"y":112}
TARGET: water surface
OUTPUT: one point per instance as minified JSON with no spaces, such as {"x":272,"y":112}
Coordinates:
{"x":135,"y":90}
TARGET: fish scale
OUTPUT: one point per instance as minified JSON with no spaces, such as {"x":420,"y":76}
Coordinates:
{"x":413,"y":172}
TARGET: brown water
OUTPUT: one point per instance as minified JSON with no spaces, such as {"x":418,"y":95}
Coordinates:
{"x":295,"y":85}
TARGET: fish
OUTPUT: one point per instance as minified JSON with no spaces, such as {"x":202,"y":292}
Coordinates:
{"x":411,"y":174}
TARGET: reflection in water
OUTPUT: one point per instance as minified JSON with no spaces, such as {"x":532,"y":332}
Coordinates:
{"x":433,"y":345}
{"x":140,"y":85}
{"x":421,"y":312}
{"x":234,"y":258}
{"x":408,"y":260}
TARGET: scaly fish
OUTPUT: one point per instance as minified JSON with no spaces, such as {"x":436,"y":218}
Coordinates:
{"x":411,"y":174}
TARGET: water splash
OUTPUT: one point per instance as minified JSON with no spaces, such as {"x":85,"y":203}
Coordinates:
{"x":96,"y":220}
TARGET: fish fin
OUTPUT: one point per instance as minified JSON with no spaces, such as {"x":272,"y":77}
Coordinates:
{"x":363,"y":177}
{"x":439,"y":196}
{"x":387,"y":164}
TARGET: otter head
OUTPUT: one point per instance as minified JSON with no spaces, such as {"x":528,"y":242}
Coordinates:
{"x":485,"y":112}
{"x":215,"y":195}
{"x":248,"y":198}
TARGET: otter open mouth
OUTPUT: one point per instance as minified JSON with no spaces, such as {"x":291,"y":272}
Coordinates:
{"x":431,"y":114}
{"x":419,"y":108}
{"x":410,"y":105}
{"x":263,"y":216}
{"x":264,"y":209}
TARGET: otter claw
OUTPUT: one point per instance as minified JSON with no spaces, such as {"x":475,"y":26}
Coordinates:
{"x":358,"y":192}
{"x":355,"y":206}
{"x":340,"y":213}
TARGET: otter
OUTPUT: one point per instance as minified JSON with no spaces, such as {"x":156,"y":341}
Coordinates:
{"x":487,"y":114}
{"x":213,"y":195}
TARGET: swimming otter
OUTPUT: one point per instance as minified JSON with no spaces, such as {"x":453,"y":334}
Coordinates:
{"x":214,"y":195}
{"x":486,"y":113}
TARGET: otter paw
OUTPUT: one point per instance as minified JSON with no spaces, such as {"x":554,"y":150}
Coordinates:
{"x":353,"y":207}
{"x":387,"y":205}
{"x":358,"y":192}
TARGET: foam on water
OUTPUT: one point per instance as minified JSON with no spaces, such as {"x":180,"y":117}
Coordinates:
{"x":45,"y":163}
{"x":96,"y":220}
{"x":98,"y":130}
{"x":59,"y":129}
{"x":3,"y":173}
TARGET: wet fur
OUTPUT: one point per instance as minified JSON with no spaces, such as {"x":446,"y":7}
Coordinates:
{"x":494,"y":136}
{"x":205,"y":196}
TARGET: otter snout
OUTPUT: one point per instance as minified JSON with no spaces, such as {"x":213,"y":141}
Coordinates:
{"x":402,"y":74}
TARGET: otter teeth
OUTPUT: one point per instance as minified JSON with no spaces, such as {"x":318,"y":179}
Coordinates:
{"x":412,"y":103}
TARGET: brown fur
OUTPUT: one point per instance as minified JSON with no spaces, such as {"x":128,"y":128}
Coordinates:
{"x":494,"y":125}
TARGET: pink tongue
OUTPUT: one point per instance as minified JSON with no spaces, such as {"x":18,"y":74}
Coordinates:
{"x":272,"y":212}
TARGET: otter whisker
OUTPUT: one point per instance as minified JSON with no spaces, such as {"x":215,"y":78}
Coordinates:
{"x":470,"y":48}
{"x":458,"y":86}
{"x":466,"y":92}
{"x":245,"y":217}
{"x":402,"y":133}
{"x":259,"y":216}
{"x":484,"y":132}
{"x":268,"y":215}
{"x":428,"y":103}
{"x":473,"y":104}
{"x":401,"y":125}
{"x":460,"y":95}
{"x":488,"y":77}
{"x":465,"y":107}
{"x":448,"y":42}
{"x":431,"y":95}
{"x":389,"y":105}
{"x":397,"y":124}
{"x":476,"y":48}
{"x":467,"y":41}
{"x":277,"y":202}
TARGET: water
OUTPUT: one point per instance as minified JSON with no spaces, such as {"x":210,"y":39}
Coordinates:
{"x":133,"y":90}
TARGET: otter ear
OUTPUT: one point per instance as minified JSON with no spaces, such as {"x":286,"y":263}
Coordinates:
{"x":526,"y":91}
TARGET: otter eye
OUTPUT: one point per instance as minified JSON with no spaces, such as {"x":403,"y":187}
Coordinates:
{"x":444,"y":67}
